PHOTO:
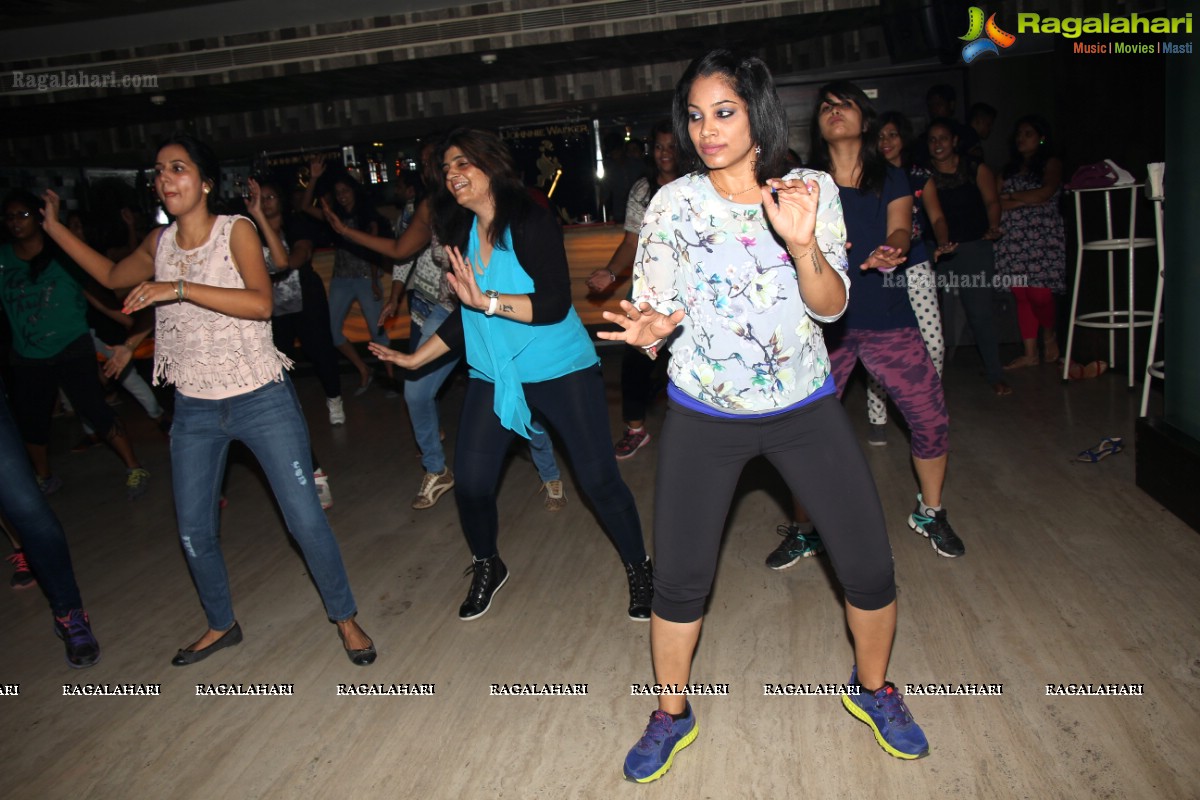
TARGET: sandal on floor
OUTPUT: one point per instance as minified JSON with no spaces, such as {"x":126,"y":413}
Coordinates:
{"x":1108,"y":446}
{"x":1095,"y":369}
{"x":1001,"y":389}
{"x":1022,"y":361}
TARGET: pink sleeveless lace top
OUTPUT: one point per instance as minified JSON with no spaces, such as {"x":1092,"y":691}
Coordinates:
{"x":206,"y":353}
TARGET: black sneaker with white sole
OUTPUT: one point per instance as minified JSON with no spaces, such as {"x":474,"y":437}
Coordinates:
{"x":490,"y":575}
{"x":938,"y":531}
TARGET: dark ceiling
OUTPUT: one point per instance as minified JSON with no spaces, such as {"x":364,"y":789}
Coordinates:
{"x":30,"y":13}
{"x":35,"y":114}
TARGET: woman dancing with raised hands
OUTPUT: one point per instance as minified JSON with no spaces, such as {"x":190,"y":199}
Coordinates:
{"x":206,"y":275}
{"x":737,"y":266}
{"x":526,"y":349}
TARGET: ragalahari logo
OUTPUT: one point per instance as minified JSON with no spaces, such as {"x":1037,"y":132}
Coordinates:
{"x":976,"y":27}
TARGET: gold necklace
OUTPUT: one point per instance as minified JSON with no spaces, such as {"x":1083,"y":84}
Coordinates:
{"x":729,"y":195}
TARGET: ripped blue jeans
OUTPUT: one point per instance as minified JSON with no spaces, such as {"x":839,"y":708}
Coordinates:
{"x":268,"y":420}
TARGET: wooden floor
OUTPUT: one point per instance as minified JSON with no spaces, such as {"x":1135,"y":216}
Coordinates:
{"x":1072,"y":575}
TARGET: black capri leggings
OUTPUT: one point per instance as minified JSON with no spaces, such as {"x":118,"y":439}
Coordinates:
{"x":36,"y":383}
{"x":815,"y":450}
{"x":574,"y":405}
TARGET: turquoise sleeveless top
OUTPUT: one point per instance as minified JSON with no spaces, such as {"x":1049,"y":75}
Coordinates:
{"x":509,"y":353}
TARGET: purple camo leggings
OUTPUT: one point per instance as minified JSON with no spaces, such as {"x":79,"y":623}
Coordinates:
{"x":899,"y":360}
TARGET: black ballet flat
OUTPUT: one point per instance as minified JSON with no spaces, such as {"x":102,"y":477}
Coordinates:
{"x":359,"y":658}
{"x":228,"y":639}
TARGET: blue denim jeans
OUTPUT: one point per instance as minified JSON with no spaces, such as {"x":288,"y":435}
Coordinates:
{"x":269,"y":422}
{"x":342,"y":294}
{"x":420,"y":395}
{"x":23,"y":504}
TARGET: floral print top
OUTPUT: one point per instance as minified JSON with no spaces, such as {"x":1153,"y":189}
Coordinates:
{"x":748,"y":344}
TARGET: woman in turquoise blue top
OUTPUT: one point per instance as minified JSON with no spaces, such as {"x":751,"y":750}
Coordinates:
{"x":526,"y":348}
{"x":737,"y":266}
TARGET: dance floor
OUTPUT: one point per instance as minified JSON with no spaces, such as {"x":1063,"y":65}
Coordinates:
{"x":1072,"y":576}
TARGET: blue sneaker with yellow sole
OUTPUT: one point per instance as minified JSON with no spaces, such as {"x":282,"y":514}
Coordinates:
{"x":889,"y":718}
{"x":651,"y":757}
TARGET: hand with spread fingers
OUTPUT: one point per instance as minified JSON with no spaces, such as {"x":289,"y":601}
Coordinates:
{"x":641,"y":326}
{"x":884,"y":258}
{"x":944,"y":250}
{"x":254,"y":201}
{"x":462,"y":281}
{"x":115,"y":364}
{"x":50,"y":217}
{"x":402,"y":360}
{"x":333,"y":219}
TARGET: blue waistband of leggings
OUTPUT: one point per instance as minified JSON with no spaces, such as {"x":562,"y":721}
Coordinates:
{"x":687,"y":401}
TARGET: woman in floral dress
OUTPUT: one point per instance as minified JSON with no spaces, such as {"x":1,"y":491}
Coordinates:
{"x":1034,"y":246}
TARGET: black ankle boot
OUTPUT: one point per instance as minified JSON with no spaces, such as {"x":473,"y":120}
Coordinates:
{"x":490,"y":575}
{"x":641,"y":589}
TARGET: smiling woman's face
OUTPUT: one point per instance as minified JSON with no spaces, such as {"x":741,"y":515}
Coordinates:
{"x":469,"y":184}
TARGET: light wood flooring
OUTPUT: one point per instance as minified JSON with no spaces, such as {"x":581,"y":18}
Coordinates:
{"x":1072,"y":575}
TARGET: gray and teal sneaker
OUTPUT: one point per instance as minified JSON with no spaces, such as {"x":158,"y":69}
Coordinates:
{"x":795,"y":546}
{"x":937,"y":530}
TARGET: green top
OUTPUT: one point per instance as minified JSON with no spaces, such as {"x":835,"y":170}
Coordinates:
{"x":45,"y":314}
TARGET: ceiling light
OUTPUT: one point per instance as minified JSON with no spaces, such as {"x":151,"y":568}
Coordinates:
{"x":488,"y":58}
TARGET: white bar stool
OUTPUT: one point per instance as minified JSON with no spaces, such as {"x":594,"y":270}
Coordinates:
{"x":1155,"y":369}
{"x":1111,"y":319}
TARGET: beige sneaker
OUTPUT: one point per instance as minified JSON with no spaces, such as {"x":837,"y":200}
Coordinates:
{"x":556,"y":497}
{"x":433,"y":486}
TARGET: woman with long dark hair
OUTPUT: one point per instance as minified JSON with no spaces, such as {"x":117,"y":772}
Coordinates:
{"x":964,"y":212}
{"x":880,"y":328}
{"x":895,"y":139}
{"x":206,"y":278}
{"x":737,"y":264}
{"x":527,"y":351}
{"x":301,"y":307}
{"x":1034,"y":247}
{"x":431,"y":302}
{"x":356,"y":270}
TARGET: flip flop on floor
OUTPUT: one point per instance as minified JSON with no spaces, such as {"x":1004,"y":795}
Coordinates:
{"x":1107,"y":446}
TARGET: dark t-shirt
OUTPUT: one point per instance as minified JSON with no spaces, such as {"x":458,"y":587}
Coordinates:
{"x":962,"y":203}
{"x":301,"y":227}
{"x":873,"y":305}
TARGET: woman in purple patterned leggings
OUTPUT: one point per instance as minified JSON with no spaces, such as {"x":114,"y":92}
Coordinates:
{"x":879,"y":327}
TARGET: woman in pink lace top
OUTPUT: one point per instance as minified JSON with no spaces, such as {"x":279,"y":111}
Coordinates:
{"x":206,"y":275}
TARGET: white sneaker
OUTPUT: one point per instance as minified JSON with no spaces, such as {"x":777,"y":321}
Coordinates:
{"x":323,"y":490}
{"x":337,"y":414}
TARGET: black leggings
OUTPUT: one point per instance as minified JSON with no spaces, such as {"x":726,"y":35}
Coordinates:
{"x":311,"y":326}
{"x":36,"y":383}
{"x":641,"y":380}
{"x":815,"y":450}
{"x":574,"y":405}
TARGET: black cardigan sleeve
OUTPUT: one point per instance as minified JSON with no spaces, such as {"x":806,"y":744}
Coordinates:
{"x":538,"y":242}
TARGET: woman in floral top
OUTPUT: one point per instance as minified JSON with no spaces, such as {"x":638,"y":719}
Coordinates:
{"x":736,"y":267}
